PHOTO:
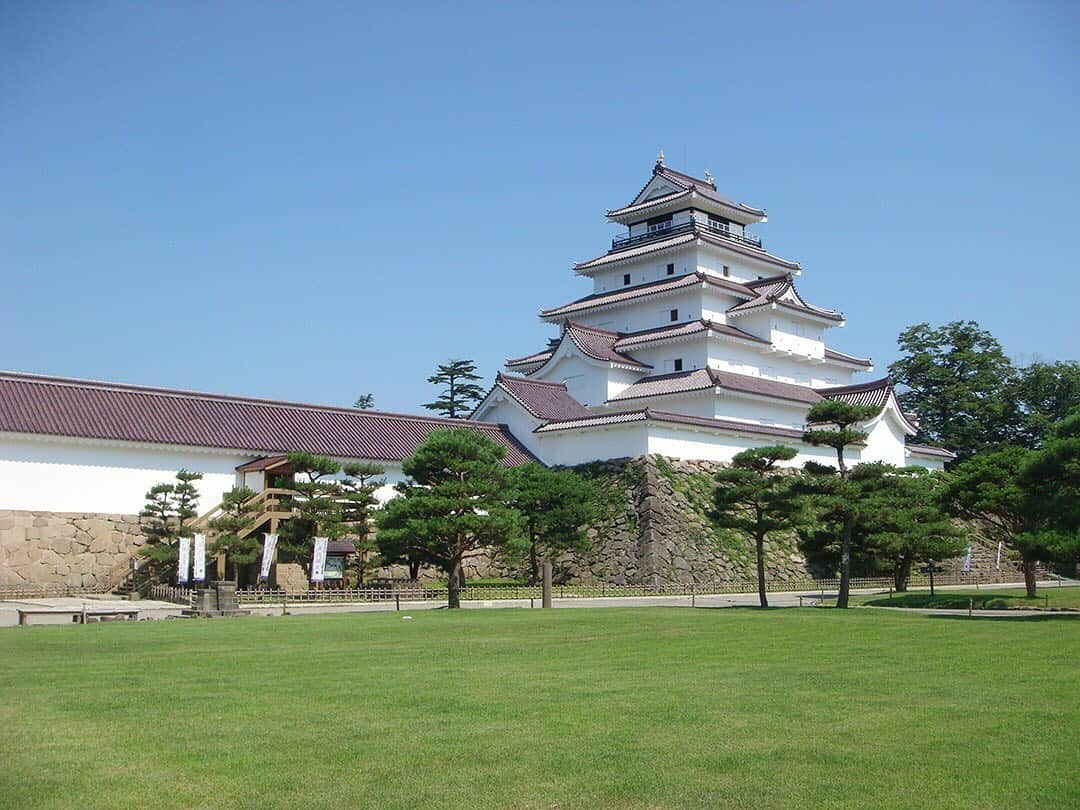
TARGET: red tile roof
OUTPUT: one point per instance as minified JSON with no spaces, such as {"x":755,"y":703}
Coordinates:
{"x":927,"y":450}
{"x":628,"y":339}
{"x":649,"y":415}
{"x":780,"y":290}
{"x":704,"y":187}
{"x":544,"y":400}
{"x":652,"y":288}
{"x":706,"y":378}
{"x":832,"y":354}
{"x":60,"y":406}
{"x":599,"y":344}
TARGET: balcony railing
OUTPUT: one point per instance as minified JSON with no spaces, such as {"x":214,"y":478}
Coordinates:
{"x":685,"y":227}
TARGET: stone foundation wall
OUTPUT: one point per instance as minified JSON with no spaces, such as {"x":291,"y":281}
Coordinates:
{"x":85,"y":550}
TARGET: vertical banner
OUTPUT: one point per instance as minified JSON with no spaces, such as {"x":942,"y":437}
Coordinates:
{"x":198,"y":563}
{"x":183,"y":560}
{"x":967,"y":561}
{"x":318,"y":560}
{"x":998,"y":563}
{"x":269,"y":545}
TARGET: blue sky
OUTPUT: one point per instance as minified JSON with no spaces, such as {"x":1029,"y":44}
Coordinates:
{"x":308,"y":201}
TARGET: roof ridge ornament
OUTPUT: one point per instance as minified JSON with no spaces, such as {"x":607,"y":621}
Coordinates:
{"x":709,"y":178}
{"x":660,"y":159}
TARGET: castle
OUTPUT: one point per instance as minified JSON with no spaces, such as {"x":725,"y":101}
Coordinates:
{"x":694,"y":343}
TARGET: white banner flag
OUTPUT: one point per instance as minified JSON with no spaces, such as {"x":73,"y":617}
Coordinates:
{"x":198,"y":568}
{"x":269,"y":545}
{"x":183,"y":559}
{"x":318,"y":559}
{"x":967,"y":560}
{"x":998,"y":563}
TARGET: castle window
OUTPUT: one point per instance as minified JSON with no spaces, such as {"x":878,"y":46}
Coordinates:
{"x":671,"y":269}
{"x":673,"y":315}
{"x":626,"y":279}
{"x":658,"y":224}
{"x":678,"y":364}
{"x":727,"y":271}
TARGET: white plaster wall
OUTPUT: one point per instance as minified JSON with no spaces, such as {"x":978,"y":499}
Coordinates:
{"x":885,"y":440}
{"x":693,"y":353}
{"x":585,"y":381}
{"x":580,"y":447}
{"x":68,"y":476}
{"x":760,"y":411}
{"x":645,"y":269}
{"x":65,"y":475}
{"x":506,"y":411}
{"x":930,"y":463}
{"x":696,"y":404}
{"x":649,"y":313}
{"x":678,"y":442}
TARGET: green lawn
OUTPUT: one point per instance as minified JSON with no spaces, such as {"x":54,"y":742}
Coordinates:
{"x":993,"y":599}
{"x":620,"y":708}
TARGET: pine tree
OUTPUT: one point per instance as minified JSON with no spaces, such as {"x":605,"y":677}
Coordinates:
{"x":317,"y":507}
{"x":365,"y":402}
{"x":358,"y":505}
{"x":238,"y":514}
{"x":169,"y":510}
{"x":755,"y":497}
{"x":452,"y":507}
{"x":556,"y":506}
{"x":840,"y":433}
{"x":461,"y":392}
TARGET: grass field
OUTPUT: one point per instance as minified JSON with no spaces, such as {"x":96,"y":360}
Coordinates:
{"x":627,"y":708}
{"x":993,"y":599}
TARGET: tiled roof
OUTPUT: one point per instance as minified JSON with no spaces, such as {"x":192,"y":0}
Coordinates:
{"x":652,"y":288}
{"x":875,"y":392}
{"x":649,"y":415}
{"x":832,"y":354}
{"x":927,"y":450}
{"x":706,"y":378}
{"x":544,"y":400}
{"x":531,"y":360}
{"x":599,"y":344}
{"x":628,"y":339}
{"x":679,"y":240}
{"x":704,"y":187}
{"x":780,"y":290}
{"x":60,"y":406}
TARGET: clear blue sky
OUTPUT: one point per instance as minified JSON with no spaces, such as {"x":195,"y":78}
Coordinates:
{"x":308,"y":201}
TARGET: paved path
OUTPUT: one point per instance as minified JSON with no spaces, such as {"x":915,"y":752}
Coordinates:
{"x":151,"y":609}
{"x":63,"y":605}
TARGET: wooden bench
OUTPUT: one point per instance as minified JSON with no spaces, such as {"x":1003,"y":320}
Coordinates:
{"x":78,"y":615}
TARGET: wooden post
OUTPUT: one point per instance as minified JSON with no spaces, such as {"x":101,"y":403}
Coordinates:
{"x":547,"y":585}
{"x":971,"y":604}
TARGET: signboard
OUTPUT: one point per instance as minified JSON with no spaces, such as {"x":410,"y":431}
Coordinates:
{"x":183,"y":560}
{"x":335,"y":567}
{"x":198,"y":572}
{"x":269,"y":546}
{"x":318,"y":560}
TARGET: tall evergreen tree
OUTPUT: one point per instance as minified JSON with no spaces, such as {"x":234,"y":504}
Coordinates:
{"x":954,"y":377}
{"x":358,"y":505}
{"x":365,"y":402}
{"x":317,"y":506}
{"x":903,"y":520}
{"x":1037,"y":398}
{"x":461,"y":392}
{"x":452,"y":507}
{"x":988,"y":488}
{"x":838,"y":421}
{"x":556,"y":506}
{"x":167,"y":516}
{"x":1050,"y":477}
{"x":237,"y":515}
{"x":755,"y":497}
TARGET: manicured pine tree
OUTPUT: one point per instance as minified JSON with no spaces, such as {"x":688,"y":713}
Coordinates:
{"x":358,"y":505}
{"x":169,"y":510}
{"x":461,"y":392}
{"x":237,"y":516}
{"x":365,"y":402}
{"x":755,"y":497}
{"x":317,"y":506}
{"x":903,"y":521}
{"x":452,"y":507}
{"x":556,"y":506}
{"x":838,"y":431}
